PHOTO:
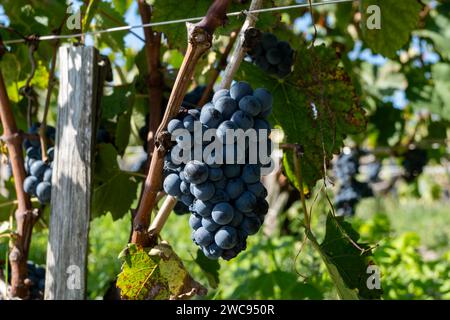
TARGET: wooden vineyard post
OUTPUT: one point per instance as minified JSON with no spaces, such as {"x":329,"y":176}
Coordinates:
{"x":72,"y":173}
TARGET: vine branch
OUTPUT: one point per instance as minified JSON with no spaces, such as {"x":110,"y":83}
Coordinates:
{"x":155,"y":81}
{"x":218,"y":68}
{"x":239,"y":50}
{"x":24,"y":214}
{"x":200,"y":38}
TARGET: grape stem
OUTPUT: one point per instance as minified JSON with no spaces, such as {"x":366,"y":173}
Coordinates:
{"x":162,"y":216}
{"x":199,"y":41}
{"x":239,"y":49}
{"x":218,"y":68}
{"x":24,"y":214}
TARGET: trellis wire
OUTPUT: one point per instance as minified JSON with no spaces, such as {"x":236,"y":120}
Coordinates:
{"x":161,"y":23}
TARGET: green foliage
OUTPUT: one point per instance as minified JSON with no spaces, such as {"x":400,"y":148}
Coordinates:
{"x":347,"y":260}
{"x":165,"y":10}
{"x":398,"y":19}
{"x":115,"y":190}
{"x":210,"y":267}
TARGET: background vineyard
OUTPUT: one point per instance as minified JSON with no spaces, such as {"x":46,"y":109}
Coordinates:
{"x":378,"y":93}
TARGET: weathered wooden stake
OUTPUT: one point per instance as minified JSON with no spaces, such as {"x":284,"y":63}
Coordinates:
{"x":72,"y":174}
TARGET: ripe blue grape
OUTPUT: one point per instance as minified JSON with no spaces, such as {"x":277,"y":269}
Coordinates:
{"x":226,"y":106}
{"x":48,"y":175}
{"x":226,"y":237}
{"x":222,"y":213}
{"x":226,"y":128}
{"x":171,"y":185}
{"x":213,"y":251}
{"x":210,"y":117}
{"x":221,"y":184}
{"x":203,"y":237}
{"x":174,"y":124}
{"x":237,"y":219}
{"x":251,"y":105}
{"x":215,"y":174}
{"x":188,"y":123}
{"x":235,"y":187}
{"x":265,"y":98}
{"x":195,"y":221}
{"x":196,"y":172}
{"x":269,"y":41}
{"x":246,"y":202}
{"x":195,"y":113}
{"x":187,"y":199}
{"x":202,"y":208}
{"x":185,"y":187}
{"x":232,"y":170}
{"x":44,"y":192}
{"x":240,"y":89}
{"x":242,"y":119}
{"x":38,"y":168}
{"x":220,"y":196}
{"x":251,"y":173}
{"x":250,"y":225}
{"x":273,"y":56}
{"x":203,"y":191}
{"x":261,"y":124}
{"x":257,"y":189}
{"x":209,"y":224}
{"x":219,"y":94}
{"x":29,"y":185}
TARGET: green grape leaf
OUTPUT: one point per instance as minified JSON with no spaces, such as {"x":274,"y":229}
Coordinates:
{"x":115,"y":191}
{"x":108,"y":17}
{"x":155,"y":274}
{"x":165,"y":10}
{"x":437,"y":29}
{"x":397,"y":20}
{"x":118,"y":102}
{"x":346,"y":263}
{"x":386,"y":119}
{"x":315,"y":106}
{"x":122,"y":6}
{"x":431,"y":93}
{"x":209,"y":267}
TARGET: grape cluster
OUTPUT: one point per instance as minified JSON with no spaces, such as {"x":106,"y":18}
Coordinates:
{"x":351,"y":190}
{"x":38,"y":181}
{"x":36,"y":275}
{"x":413,"y":163}
{"x":273,"y":56}
{"x":226,"y":200}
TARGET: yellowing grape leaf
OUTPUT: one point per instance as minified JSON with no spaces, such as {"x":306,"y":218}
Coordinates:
{"x":155,"y":274}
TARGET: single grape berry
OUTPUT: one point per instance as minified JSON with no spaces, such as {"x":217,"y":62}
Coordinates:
{"x":203,"y":237}
{"x":171,"y":185}
{"x":38,"y":168}
{"x":246,"y":202}
{"x":240,"y":89}
{"x":242,"y":119}
{"x":29,"y":185}
{"x":226,"y":237}
{"x":222,"y":213}
{"x":196,"y":172}
{"x":44,"y":192}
